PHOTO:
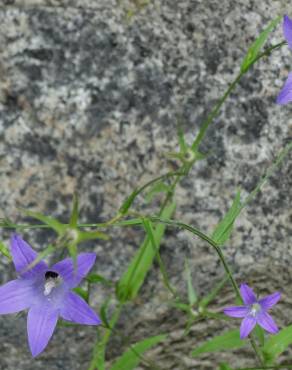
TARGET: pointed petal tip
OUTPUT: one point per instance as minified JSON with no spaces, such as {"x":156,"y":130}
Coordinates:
{"x":267,"y":322}
{"x":75,"y":309}
{"x":287,"y":30}
{"x":247,"y":325}
{"x":247,"y":294}
{"x":236,"y":311}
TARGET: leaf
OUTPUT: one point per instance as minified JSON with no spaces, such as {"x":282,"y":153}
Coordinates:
{"x":224,"y":228}
{"x":277,"y":344}
{"x":228,"y":340}
{"x":159,"y":187}
{"x":91,"y":235}
{"x":131,"y":281}
{"x":260,"y":333}
{"x":82,"y":292}
{"x":131,"y":358}
{"x":103,"y":313}
{"x":128,"y":202}
{"x":50,"y":221}
{"x":192,"y":296}
{"x":74,"y":215}
{"x":4,"y":250}
{"x":96,"y":278}
{"x":214,"y":292}
{"x":256,"y":46}
{"x":224,"y":366}
{"x":181,"y":140}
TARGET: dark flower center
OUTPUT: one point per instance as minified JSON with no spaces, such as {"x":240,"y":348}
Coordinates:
{"x":52,"y":280}
{"x":51,"y":275}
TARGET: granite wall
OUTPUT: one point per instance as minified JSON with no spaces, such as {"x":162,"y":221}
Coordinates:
{"x":89,"y":101}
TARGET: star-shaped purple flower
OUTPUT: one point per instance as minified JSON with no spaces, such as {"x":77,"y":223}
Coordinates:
{"x":254,"y":311}
{"x":285,"y":95}
{"x":46,"y":292}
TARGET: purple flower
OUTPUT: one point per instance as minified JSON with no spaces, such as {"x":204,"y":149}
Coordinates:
{"x":285,"y":95}
{"x":46,"y":292}
{"x":254,"y":311}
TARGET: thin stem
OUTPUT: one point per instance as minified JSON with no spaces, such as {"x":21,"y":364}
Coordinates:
{"x":220,"y":102}
{"x":99,"y":349}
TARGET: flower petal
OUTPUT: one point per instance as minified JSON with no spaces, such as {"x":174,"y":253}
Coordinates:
{"x":247,"y":324}
{"x":71,"y":274}
{"x":23,"y":255}
{"x":15,"y":296}
{"x":270,"y":300}
{"x":285,"y":95}
{"x":77,"y":310}
{"x":287,"y":30}
{"x":236,"y":311}
{"x":41,"y":323}
{"x":247,"y":294}
{"x":267,"y":322}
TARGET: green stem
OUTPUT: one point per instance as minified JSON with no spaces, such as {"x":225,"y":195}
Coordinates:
{"x":97,"y":362}
{"x":221,"y":101}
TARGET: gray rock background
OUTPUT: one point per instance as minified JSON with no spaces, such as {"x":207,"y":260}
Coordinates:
{"x":89,"y":101}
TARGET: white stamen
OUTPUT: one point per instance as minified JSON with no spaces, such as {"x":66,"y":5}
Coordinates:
{"x":255,"y":308}
{"x":49,"y":286}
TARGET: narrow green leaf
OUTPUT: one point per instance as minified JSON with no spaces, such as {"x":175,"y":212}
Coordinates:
{"x":260,"y":334}
{"x":50,"y":221}
{"x":159,"y":187}
{"x":224,"y":366}
{"x":181,"y":306}
{"x":228,"y":340}
{"x":128,"y":202}
{"x":131,"y":358}
{"x":50,"y":248}
{"x":257,"y":45}
{"x":91,"y":235}
{"x":224,"y":228}
{"x":212,"y":295}
{"x":72,"y":248}
{"x":74,"y":215}
{"x":82,"y":292}
{"x":192,"y":296}
{"x":131,"y":281}
{"x":181,"y":140}
{"x":150,"y":233}
{"x":277,"y":344}
{"x":103,"y":313}
{"x":96,"y":279}
{"x":4,"y":250}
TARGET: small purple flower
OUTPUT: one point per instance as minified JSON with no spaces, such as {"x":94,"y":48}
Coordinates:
{"x":254,"y":311}
{"x":46,"y":292}
{"x":285,"y":95}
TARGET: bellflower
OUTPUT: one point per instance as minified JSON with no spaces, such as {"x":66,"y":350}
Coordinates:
{"x":254,"y":311}
{"x":46,"y":293}
{"x":285,"y":95}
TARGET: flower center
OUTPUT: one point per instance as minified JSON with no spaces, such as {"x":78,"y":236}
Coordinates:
{"x":52,"y":280}
{"x":255,"y":308}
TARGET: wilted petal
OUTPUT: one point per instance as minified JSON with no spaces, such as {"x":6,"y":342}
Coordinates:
{"x":287,"y":30}
{"x":23,"y":255}
{"x":247,"y":294}
{"x":236,"y":311}
{"x":77,"y":310}
{"x":270,"y":300}
{"x":41,"y":322}
{"x":285,"y":95}
{"x":267,"y":322}
{"x":72,"y":274}
{"x":15,"y":296}
{"x":247,"y":324}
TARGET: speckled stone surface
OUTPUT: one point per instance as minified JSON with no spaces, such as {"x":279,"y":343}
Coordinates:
{"x":89,"y":101}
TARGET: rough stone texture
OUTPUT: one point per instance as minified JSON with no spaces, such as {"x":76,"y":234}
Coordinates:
{"x":89,"y":100}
